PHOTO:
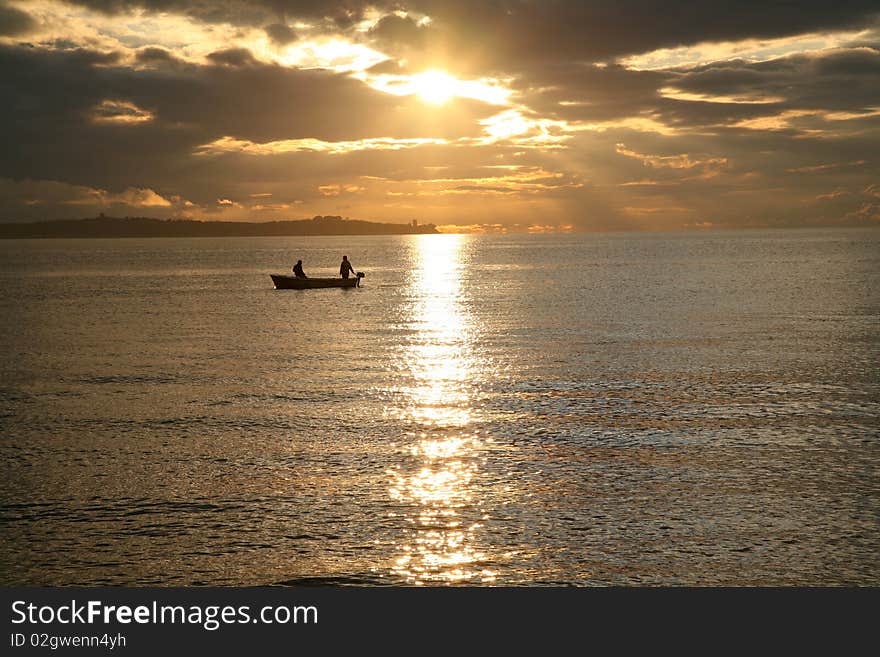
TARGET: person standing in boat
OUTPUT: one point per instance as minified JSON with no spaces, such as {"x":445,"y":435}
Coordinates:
{"x":298,"y":270}
{"x":345,"y":268}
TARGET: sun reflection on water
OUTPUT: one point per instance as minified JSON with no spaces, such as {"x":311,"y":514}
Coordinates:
{"x":441,"y":484}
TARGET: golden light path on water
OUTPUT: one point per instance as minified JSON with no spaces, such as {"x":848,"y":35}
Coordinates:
{"x":440,"y":485}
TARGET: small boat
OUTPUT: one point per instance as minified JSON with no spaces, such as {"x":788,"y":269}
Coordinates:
{"x":283,"y":282}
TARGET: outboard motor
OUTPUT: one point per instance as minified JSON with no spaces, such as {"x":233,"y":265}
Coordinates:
{"x":360,"y":275}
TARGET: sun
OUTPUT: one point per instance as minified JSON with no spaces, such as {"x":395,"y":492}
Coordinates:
{"x":435,"y":87}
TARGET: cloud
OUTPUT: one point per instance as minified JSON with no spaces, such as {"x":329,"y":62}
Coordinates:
{"x":280,"y":34}
{"x":134,"y":197}
{"x":232,"y":145}
{"x":835,"y":79}
{"x":232,"y":57}
{"x":839,"y":84}
{"x":398,"y":31}
{"x":515,"y":35}
{"x":586,"y":92}
{"x":553,"y":112}
{"x":825,"y":167}
{"x":337,"y":190}
{"x":47,"y":131}
{"x":49,"y":199}
{"x":120,"y":112}
{"x":709,"y":166}
{"x":236,"y":12}
{"x":156,"y":55}
{"x":15,"y":22}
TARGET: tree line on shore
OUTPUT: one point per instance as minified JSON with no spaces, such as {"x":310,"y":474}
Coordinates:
{"x":103,"y":226}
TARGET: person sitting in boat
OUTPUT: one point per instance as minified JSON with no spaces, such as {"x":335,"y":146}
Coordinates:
{"x":298,"y":270}
{"x":345,"y":268}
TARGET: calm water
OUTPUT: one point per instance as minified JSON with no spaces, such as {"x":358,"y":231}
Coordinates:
{"x":614,"y":409}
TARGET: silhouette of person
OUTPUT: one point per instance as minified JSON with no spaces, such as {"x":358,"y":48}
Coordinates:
{"x":345,"y":268}
{"x":298,"y":270}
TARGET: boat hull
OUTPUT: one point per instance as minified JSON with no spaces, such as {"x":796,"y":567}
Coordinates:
{"x":293,"y":283}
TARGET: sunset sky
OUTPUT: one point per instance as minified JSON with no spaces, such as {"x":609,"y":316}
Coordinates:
{"x":484,"y":116}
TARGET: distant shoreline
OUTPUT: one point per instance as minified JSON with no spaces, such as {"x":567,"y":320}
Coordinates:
{"x":110,"y":227}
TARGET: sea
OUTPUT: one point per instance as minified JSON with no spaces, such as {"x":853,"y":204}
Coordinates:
{"x":619,"y":409}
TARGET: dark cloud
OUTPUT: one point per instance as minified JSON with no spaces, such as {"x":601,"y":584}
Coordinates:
{"x":756,"y":179}
{"x":838,"y":79}
{"x":14,"y":22}
{"x":49,"y":133}
{"x":821,"y":91}
{"x":505,"y":33}
{"x":237,"y":12}
{"x":721,"y":95}
{"x":232,"y":57}
{"x":88,"y":57}
{"x":789,"y":141}
{"x":344,"y":15}
{"x":280,"y":34}
{"x":511,"y":35}
{"x":253,"y":13}
{"x":395,"y":30}
{"x":156,"y":55}
{"x":576,"y":91}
